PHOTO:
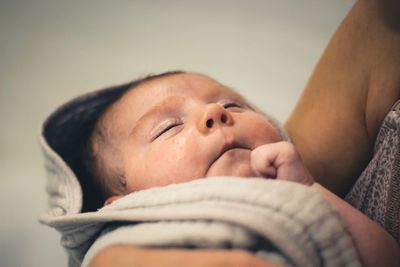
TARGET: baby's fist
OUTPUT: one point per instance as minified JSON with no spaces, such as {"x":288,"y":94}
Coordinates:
{"x":281,"y":161}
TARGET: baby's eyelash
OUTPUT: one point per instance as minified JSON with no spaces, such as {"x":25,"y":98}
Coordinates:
{"x":169,"y":127}
{"x":232,"y":105}
{"x":165,"y":127}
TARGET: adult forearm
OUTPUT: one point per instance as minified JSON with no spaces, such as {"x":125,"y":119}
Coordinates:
{"x":127,"y":255}
{"x":374,"y":245}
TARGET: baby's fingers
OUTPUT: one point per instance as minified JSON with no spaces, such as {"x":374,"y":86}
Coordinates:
{"x":262,"y":161}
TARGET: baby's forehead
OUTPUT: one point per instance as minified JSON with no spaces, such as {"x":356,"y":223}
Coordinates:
{"x":186,"y":85}
{"x":165,"y":91}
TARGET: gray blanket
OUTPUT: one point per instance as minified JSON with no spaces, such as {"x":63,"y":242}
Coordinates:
{"x":281,"y":221}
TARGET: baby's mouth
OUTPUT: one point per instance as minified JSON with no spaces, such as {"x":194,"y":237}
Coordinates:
{"x":229,"y":153}
{"x":229,"y":148}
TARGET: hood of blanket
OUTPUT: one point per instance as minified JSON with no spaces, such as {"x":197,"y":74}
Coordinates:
{"x":63,"y":137}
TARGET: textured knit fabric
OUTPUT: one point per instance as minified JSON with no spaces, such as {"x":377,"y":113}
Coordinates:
{"x":376,"y":192}
{"x":277,"y":220}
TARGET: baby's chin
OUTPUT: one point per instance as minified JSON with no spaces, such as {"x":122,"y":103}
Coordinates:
{"x":235,"y":162}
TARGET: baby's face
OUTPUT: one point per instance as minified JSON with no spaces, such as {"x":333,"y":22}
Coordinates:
{"x":179,"y":128}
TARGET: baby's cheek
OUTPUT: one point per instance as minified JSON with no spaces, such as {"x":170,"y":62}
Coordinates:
{"x":260,"y":129}
{"x":169,"y":162}
{"x":245,"y":170}
{"x":180,"y":148}
{"x":265,"y":133}
{"x":144,"y":169}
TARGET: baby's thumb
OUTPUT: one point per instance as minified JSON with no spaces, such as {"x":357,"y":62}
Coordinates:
{"x":262,"y":162}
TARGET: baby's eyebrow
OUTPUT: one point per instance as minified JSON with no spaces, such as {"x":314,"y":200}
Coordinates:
{"x":169,"y":105}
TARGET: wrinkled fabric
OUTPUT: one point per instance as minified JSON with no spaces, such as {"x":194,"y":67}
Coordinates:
{"x":376,"y":192}
{"x":282,"y":221}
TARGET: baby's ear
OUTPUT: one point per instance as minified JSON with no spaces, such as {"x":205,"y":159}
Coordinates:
{"x":111,"y":199}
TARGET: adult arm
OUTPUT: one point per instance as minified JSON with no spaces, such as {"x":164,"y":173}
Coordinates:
{"x":353,"y":86}
{"x":126,"y":255}
{"x":374,"y":245}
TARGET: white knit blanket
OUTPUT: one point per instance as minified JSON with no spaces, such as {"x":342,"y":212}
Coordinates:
{"x":277,"y":220}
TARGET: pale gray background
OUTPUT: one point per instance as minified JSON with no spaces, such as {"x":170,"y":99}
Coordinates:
{"x":53,"y":50}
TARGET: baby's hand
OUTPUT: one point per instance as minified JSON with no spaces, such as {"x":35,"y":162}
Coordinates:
{"x":280,"y":161}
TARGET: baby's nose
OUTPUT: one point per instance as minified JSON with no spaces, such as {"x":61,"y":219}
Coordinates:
{"x":214,"y":116}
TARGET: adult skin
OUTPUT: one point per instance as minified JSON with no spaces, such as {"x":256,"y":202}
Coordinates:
{"x":333,"y":126}
{"x":354,"y":85}
{"x":125,"y":255}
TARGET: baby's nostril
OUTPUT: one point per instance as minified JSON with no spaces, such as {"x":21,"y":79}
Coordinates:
{"x":223,"y":118}
{"x":209,"y":123}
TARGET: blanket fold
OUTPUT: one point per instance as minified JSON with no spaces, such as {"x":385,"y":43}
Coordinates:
{"x":278,"y":220}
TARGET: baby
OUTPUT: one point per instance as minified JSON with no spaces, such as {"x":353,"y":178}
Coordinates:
{"x":177,"y":127}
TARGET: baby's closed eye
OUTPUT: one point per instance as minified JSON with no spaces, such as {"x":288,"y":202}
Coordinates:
{"x":169,"y":126}
{"x":232,"y":105}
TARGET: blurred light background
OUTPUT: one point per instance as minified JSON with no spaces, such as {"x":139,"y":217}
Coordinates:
{"x":51,"y":51}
